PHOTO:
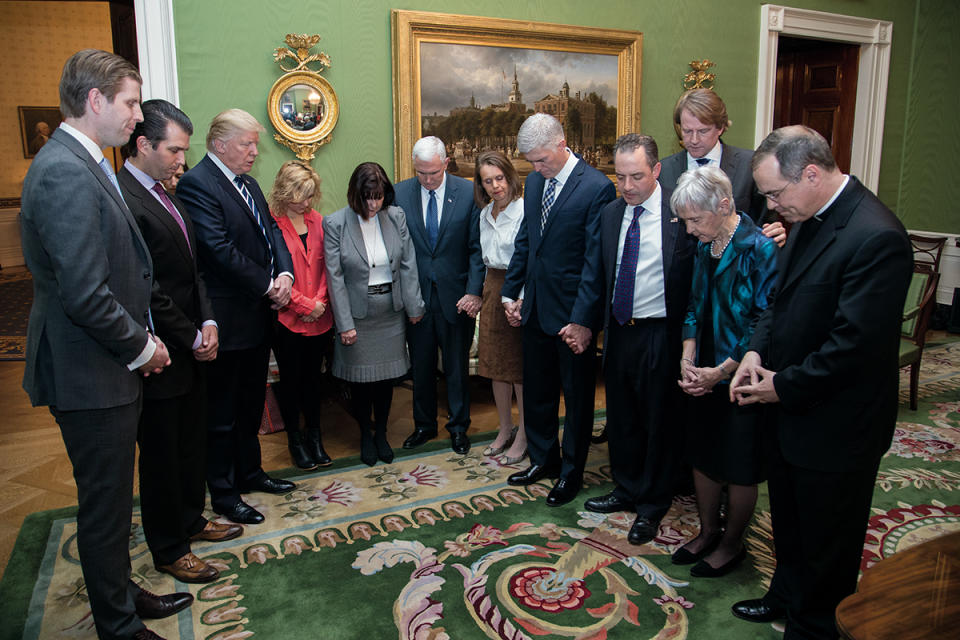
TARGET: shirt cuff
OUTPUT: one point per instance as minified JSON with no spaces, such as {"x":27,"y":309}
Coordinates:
{"x":144,"y":356}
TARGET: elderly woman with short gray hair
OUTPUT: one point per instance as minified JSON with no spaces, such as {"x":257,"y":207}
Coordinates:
{"x":733,"y":274}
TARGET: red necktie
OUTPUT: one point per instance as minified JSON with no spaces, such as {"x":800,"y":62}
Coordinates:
{"x":165,"y":199}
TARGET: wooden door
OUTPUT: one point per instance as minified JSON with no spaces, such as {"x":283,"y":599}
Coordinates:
{"x":817,"y":87}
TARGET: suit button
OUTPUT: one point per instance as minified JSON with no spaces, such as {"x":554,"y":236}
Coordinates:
{"x":146,"y":275}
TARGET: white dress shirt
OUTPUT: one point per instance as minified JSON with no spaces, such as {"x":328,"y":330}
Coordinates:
{"x":497,"y":235}
{"x":438,"y":194}
{"x":648,"y":289}
{"x":377,"y":256}
{"x":713,"y":156}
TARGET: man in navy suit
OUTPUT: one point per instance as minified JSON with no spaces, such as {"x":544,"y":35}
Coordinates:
{"x":444,"y":223}
{"x":248,"y":272}
{"x":553,"y":287}
{"x":647,"y":264}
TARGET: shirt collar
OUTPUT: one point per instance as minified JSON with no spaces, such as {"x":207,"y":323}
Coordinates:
{"x":217,"y":161}
{"x":819,"y":214}
{"x":92,"y":148}
{"x":443,"y":185}
{"x":713,"y":155}
{"x":652,"y":204}
{"x":139,"y":174}
{"x":564,"y":174}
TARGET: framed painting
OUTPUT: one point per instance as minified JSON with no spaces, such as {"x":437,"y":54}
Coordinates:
{"x":36,"y":125}
{"x":472,"y":81}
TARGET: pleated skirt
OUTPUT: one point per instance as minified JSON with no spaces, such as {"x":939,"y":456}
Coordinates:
{"x":380,"y":352}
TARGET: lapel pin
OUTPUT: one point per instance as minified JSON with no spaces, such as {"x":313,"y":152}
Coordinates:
{"x":674,"y":219}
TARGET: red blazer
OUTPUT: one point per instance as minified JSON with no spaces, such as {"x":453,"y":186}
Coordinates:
{"x":310,"y":276}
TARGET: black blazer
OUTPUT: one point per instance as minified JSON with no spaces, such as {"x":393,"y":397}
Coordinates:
{"x":734,"y":162}
{"x":233,"y":256}
{"x":832,"y":335}
{"x":560,"y":267}
{"x":678,"y":248}
{"x":179,"y":304}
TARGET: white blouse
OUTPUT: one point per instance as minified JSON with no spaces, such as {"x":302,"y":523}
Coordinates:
{"x":497,"y":235}
{"x":376,"y":251}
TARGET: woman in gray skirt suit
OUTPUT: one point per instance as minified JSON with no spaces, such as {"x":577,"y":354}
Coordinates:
{"x":372,"y":283}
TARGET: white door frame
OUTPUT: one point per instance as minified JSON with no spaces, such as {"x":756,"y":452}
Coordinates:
{"x":156,"y":49}
{"x":874,"y":38}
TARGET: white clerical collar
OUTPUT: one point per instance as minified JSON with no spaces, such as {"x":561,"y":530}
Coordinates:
{"x":836,"y":195}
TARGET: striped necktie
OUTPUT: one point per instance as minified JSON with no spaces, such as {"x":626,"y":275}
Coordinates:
{"x":256,"y":214}
{"x":547,"y":203}
{"x":627,"y":275}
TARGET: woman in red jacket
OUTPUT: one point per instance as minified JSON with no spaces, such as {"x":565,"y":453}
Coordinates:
{"x":303,"y":332}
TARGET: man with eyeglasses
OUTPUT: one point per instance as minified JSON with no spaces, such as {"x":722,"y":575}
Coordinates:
{"x":824,"y":357}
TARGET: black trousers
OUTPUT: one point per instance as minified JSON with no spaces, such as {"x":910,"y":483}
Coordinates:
{"x":101,"y":444}
{"x":644,"y":423}
{"x":173,"y":439}
{"x":236,"y":389}
{"x":819,"y":525}
{"x":433,"y":332}
{"x":300,"y":359}
{"x":549,"y":367}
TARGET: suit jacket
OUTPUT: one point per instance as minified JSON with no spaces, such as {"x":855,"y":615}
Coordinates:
{"x":734,"y":162}
{"x":309,"y":268}
{"x":560,"y":266}
{"x":832,"y":335}
{"x":348,"y":272}
{"x":92,"y":280}
{"x":455,"y":263}
{"x":180,"y":305}
{"x":677,"y":248}
{"x":233,"y":254}
{"x":739,"y":292}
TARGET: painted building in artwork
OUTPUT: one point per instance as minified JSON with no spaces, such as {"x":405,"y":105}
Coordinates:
{"x":578,"y":116}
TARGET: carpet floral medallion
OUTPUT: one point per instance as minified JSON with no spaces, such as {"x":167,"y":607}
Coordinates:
{"x":437,"y":546}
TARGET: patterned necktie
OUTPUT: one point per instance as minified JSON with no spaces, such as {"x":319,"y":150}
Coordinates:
{"x":165,"y":199}
{"x":703,"y":161}
{"x":433,"y":224}
{"x":626,"y":277}
{"x":107,"y":169}
{"x":256,"y":214}
{"x":547,"y":203}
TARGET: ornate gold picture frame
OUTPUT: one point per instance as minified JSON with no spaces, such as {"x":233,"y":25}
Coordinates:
{"x":411,"y":29}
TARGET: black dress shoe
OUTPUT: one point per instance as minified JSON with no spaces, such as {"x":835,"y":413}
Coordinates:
{"x":610,"y":503}
{"x":682,"y":556}
{"x":417,"y":438}
{"x":146,"y":634}
{"x":601,"y":437}
{"x":703,"y":569}
{"x":532,"y":474}
{"x":643,"y":530}
{"x":563,"y":492}
{"x":241,"y":513}
{"x":151,"y":606}
{"x":758,"y":611}
{"x":459,"y":442}
{"x":272,"y":485}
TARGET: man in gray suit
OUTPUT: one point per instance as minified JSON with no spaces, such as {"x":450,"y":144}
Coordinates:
{"x":88,"y":339}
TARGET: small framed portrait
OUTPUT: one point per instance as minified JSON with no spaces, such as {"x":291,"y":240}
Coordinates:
{"x":36,"y":125}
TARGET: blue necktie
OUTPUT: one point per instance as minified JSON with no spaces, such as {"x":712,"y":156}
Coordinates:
{"x":107,"y":169}
{"x":432,"y":219}
{"x":626,"y":277}
{"x":547,"y":202}
{"x":702,"y":161}
{"x":256,"y":214}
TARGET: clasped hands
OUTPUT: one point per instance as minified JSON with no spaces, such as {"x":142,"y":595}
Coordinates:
{"x":752,"y":383}
{"x":469,"y":304}
{"x":280,"y":292}
{"x":159,"y":359}
{"x":698,"y":381}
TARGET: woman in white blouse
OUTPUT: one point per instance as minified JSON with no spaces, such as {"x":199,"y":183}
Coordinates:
{"x":497,"y":188}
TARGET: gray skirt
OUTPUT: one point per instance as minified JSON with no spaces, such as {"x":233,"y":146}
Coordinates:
{"x":380,"y":352}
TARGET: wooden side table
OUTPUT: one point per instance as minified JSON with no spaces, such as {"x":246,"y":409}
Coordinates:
{"x":913,"y":594}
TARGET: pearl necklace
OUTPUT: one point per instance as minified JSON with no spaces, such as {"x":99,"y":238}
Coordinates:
{"x":713,"y":245}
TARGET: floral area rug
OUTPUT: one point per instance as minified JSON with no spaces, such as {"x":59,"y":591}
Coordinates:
{"x":437,"y":546}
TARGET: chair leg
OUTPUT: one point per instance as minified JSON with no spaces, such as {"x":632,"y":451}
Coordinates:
{"x":914,"y":383}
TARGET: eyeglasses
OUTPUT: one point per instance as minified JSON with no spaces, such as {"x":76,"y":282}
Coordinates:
{"x":776,"y":193}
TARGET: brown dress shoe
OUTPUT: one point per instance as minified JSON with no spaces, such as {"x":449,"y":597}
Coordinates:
{"x":217,"y":532}
{"x":189,"y":568}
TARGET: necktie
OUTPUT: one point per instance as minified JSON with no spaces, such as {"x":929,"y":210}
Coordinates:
{"x":626,"y":277}
{"x":547,"y":203}
{"x":433,"y":224}
{"x":107,"y":169}
{"x":703,"y":161}
{"x":256,"y":214}
{"x":158,"y":189}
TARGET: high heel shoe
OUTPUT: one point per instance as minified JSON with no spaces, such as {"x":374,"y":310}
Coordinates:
{"x":495,"y":451}
{"x":507,"y":460}
{"x":296,"y":444}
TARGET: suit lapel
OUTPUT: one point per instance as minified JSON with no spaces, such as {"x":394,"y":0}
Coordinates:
{"x":390,"y":238}
{"x":414,"y":208}
{"x":729,"y":164}
{"x":573,"y":181}
{"x":231,"y":190}
{"x":611,"y":224}
{"x":355,"y":233}
{"x":668,"y":234}
{"x":450,"y":195}
{"x":150,"y":205}
{"x":532,"y":196}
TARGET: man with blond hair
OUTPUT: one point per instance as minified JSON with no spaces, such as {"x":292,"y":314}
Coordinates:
{"x":248,"y":273}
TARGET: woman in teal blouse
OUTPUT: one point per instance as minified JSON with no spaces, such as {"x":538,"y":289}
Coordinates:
{"x":734,"y":270}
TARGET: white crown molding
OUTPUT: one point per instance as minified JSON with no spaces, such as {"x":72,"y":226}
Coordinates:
{"x":874,"y":38}
{"x":157,"y":50}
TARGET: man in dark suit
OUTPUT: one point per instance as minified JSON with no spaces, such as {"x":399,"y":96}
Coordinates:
{"x":824,"y":357}
{"x":647,"y":267}
{"x":172,"y":433}
{"x":88,"y":337}
{"x":444,"y":223}
{"x":553,"y":287}
{"x":700,"y":118}
{"x":248,"y":273}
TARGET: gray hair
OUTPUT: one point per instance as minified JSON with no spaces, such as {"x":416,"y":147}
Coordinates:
{"x":428,"y":148}
{"x":539,"y":131}
{"x":227,"y":124}
{"x":702,"y":189}
{"x":795,"y":147}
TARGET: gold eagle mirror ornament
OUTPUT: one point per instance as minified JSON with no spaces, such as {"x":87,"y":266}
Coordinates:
{"x":302,"y":106}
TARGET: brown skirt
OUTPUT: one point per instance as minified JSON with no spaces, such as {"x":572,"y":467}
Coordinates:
{"x":499,"y":351}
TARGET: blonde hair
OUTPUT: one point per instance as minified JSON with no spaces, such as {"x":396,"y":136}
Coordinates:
{"x":227,"y":124}
{"x":296,"y":181}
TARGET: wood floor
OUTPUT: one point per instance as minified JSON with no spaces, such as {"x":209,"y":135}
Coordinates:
{"x":36,"y":474}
